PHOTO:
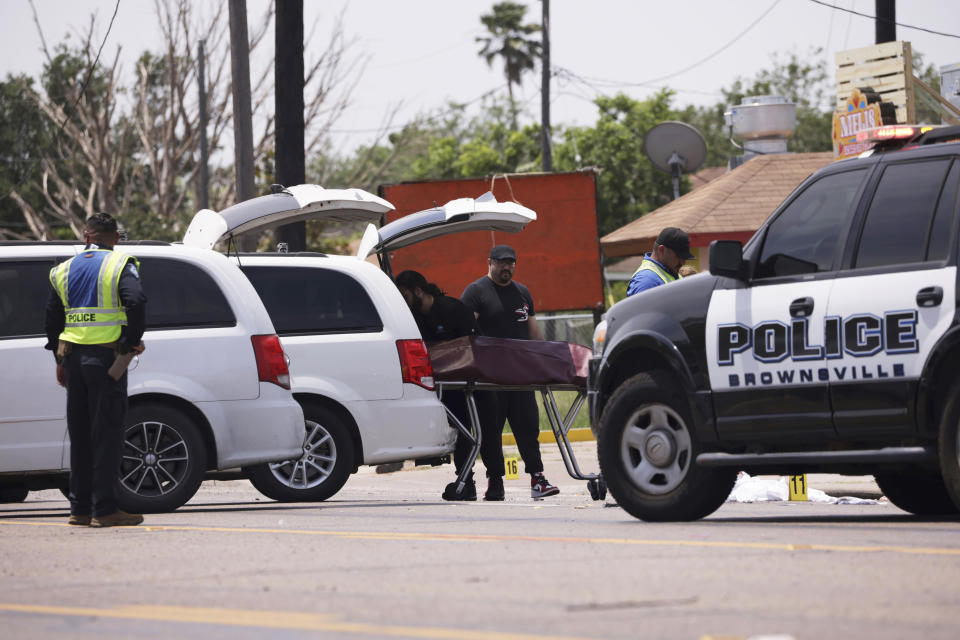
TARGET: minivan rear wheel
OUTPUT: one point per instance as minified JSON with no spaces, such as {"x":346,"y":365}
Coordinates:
{"x":162,"y":460}
{"x":13,"y":494}
{"x":320,"y":472}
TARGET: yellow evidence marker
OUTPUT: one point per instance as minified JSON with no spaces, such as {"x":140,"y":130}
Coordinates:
{"x":798,"y":487}
{"x":511,"y":465}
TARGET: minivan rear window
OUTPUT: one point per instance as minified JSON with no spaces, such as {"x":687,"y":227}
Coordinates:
{"x":309,"y":300}
{"x":181,"y":295}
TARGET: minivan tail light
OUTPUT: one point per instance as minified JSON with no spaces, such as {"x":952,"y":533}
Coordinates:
{"x":415,"y":363}
{"x":271,"y":360}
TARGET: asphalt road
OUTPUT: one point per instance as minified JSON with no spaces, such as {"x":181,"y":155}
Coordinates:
{"x":387,"y":558}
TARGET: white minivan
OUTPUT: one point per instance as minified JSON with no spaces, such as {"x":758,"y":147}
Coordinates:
{"x":359,"y":366}
{"x":210,"y":392}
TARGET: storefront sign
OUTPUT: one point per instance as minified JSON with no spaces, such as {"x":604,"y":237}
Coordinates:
{"x":858,"y":116}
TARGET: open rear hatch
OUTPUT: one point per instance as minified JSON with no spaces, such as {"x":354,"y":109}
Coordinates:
{"x":292,"y":204}
{"x":464,"y":214}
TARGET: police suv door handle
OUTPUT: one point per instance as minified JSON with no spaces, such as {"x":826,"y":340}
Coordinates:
{"x":801,"y":307}
{"x":930,"y":297}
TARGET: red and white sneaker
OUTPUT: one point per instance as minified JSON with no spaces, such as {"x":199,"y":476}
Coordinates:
{"x":540,"y":487}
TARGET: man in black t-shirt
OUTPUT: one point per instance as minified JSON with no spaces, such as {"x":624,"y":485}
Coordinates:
{"x":504,"y":309}
{"x":440,"y":317}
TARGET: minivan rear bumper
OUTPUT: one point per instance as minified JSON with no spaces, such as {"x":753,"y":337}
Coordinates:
{"x":267,"y":429}
{"x":412,"y":427}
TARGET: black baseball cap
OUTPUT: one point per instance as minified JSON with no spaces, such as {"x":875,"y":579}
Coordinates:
{"x":503,"y":252}
{"x":676,"y":240}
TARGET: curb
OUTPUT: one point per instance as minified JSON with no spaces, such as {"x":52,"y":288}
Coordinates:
{"x":582,"y":434}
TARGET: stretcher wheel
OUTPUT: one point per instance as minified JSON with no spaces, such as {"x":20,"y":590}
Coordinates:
{"x":598,"y":488}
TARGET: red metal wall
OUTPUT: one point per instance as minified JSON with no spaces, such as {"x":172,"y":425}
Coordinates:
{"x":558,"y":255}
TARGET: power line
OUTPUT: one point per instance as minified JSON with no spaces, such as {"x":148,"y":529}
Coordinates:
{"x":597,"y":84}
{"x":457,"y":107}
{"x":899,"y":24}
{"x":648,"y":83}
{"x":721,"y":49}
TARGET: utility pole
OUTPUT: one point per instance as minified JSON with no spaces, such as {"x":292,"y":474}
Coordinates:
{"x":545,"y":151}
{"x":886,"y":21}
{"x":288,"y":97}
{"x":242,"y":120}
{"x":204,"y":189}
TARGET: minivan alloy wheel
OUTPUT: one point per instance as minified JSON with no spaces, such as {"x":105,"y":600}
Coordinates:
{"x":315,"y":465}
{"x":327,"y":461}
{"x":155,"y":459}
{"x":162,"y":459}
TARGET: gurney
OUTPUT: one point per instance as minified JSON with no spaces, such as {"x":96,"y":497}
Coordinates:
{"x":477,"y":364}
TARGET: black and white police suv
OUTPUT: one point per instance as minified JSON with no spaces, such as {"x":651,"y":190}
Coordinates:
{"x":829,"y":343}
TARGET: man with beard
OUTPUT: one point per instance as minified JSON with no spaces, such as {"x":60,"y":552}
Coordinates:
{"x":440,"y":317}
{"x":504,"y":309}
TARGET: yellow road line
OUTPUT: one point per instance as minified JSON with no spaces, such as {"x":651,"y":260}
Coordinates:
{"x":267,"y":619}
{"x":477,"y":537}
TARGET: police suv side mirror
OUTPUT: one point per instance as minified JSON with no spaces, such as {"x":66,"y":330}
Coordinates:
{"x":726,"y":259}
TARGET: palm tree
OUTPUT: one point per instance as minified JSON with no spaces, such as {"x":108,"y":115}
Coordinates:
{"x":509,"y":39}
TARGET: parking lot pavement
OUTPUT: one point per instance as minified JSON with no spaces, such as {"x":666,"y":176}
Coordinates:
{"x":425,"y":484}
{"x":429,"y":482}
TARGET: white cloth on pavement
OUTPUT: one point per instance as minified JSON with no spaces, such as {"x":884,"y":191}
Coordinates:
{"x":756,"y":489}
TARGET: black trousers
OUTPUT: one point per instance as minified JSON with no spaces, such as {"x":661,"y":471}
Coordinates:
{"x":520,"y":408}
{"x":96,"y":405}
{"x":491,"y":449}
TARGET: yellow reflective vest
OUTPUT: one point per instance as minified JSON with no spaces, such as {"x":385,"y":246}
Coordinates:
{"x":87,"y":286}
{"x":650,"y":265}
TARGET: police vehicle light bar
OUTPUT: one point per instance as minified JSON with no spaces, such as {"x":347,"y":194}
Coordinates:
{"x":904,"y":132}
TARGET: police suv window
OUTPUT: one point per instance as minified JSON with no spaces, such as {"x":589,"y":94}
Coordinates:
{"x":182,"y":295}
{"x":939,"y":245}
{"x":900,"y":217}
{"x":305,"y":300}
{"x":803,"y":238}
{"x":24,"y":288}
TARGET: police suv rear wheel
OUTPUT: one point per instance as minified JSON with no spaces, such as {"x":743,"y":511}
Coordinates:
{"x":320,"y":472}
{"x":647,"y":453}
{"x":162,"y":459}
{"x":919,"y":491}
{"x":950,"y":446}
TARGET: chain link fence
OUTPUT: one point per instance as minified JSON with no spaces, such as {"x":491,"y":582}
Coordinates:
{"x":567,"y":327}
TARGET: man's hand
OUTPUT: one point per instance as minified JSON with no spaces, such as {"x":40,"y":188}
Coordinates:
{"x":139,"y":348}
{"x":61,"y":375}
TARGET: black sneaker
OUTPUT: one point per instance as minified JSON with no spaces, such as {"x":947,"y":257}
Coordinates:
{"x":540,"y":487}
{"x":495,"y":492}
{"x":467,"y":494}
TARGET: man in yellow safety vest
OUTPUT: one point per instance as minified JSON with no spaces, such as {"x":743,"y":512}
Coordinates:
{"x":661,"y":265}
{"x":95,"y":314}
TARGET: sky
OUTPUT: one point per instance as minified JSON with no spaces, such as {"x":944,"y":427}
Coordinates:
{"x":420,"y":54}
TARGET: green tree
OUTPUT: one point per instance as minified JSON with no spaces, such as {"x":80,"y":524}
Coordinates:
{"x":628,"y":185}
{"x":25,"y":135}
{"x":509,"y":39}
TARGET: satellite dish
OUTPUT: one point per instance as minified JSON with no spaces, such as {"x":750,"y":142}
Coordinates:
{"x":676,"y":148}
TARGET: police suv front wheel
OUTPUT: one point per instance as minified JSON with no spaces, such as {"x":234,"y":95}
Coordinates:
{"x":647,"y":449}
